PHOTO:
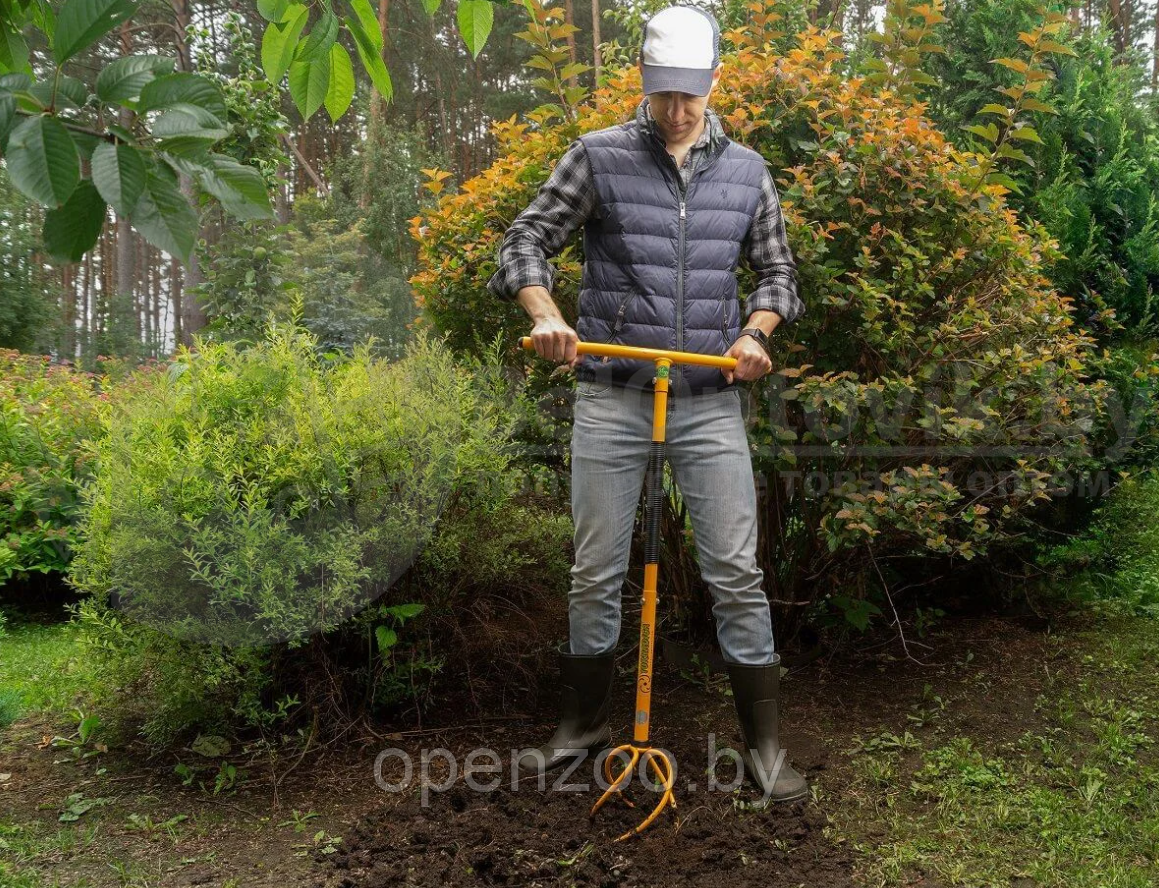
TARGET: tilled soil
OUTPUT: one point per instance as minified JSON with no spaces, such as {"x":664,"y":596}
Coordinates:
{"x":454,"y":835}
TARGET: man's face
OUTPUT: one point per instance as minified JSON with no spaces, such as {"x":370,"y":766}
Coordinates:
{"x":678,"y":114}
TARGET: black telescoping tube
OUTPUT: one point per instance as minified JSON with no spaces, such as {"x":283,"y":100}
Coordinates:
{"x":654,"y":493}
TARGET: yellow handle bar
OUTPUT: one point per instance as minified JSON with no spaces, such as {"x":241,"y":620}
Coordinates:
{"x":647,"y":354}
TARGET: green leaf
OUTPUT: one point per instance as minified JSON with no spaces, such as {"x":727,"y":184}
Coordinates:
{"x":432,"y":6}
{"x":386,"y":637}
{"x":188,"y":129}
{"x":118,"y":172}
{"x":182,"y":89}
{"x":988,"y":132}
{"x":67,"y":92}
{"x":568,"y":71}
{"x":81,"y":23}
{"x":164,"y":218}
{"x":1055,"y":46}
{"x":1026,"y":133}
{"x":1032,"y":104}
{"x":1003,"y":179}
{"x":475,"y":18}
{"x":316,"y":46}
{"x":13,"y":49}
{"x":340,"y":92}
{"x":7,"y":117}
{"x":371,"y":59}
{"x":406,"y":611}
{"x":994,"y":108}
{"x":1008,"y":150}
{"x":210,"y":746}
{"x":15,"y":82}
{"x":72,"y":230}
{"x":369,"y":22}
{"x":273,"y":10}
{"x":123,"y":80}
{"x":44,"y":18}
{"x":240,"y":188}
{"x":320,"y":38}
{"x":309,"y":82}
{"x":42,"y":160}
{"x":280,"y":41}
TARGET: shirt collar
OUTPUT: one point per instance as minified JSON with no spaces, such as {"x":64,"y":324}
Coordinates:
{"x":710,"y":136}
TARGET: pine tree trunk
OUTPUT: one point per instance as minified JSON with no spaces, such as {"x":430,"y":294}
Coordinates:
{"x":375,"y":109}
{"x":1155,"y":55}
{"x":126,"y":260}
{"x":67,"y":343}
{"x":569,"y":18}
{"x":1117,"y":27}
{"x":597,"y":59}
{"x":177,"y":297}
{"x":86,"y":301}
{"x":193,"y":317}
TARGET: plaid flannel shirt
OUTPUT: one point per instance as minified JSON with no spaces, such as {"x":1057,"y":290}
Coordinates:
{"x":567,"y":199}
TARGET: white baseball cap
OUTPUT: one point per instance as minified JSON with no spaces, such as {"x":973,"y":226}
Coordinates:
{"x":681,"y":49}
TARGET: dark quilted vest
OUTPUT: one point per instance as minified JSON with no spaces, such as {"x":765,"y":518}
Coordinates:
{"x":651,"y":278}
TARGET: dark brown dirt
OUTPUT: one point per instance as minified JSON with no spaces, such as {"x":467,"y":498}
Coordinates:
{"x":464,"y":837}
{"x":988,"y":670}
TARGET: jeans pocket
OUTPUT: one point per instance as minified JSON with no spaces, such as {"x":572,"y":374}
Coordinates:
{"x":586,"y":389}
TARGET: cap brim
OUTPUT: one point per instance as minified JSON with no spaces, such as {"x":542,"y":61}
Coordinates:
{"x":694,"y":81}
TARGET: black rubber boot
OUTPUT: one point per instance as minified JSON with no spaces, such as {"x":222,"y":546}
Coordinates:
{"x":757,"y":693}
{"x":585,"y":698}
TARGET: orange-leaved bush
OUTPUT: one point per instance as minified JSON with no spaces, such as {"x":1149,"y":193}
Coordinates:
{"x":935,"y":390}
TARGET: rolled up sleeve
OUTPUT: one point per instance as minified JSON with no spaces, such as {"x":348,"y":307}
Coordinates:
{"x":562,"y":205}
{"x":768,"y":255}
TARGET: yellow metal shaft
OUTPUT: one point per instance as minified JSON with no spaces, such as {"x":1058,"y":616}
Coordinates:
{"x":610,"y":350}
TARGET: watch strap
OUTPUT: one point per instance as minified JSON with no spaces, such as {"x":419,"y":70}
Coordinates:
{"x":758,"y":334}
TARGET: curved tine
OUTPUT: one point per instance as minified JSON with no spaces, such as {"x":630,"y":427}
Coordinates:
{"x":614,"y":754}
{"x":668,"y":780}
{"x":665,"y":800}
{"x":663,"y":768}
{"x":660,"y":764}
{"x":633,"y":760}
{"x":615,"y":787}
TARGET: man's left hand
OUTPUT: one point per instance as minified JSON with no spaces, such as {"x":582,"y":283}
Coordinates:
{"x":752,"y":362}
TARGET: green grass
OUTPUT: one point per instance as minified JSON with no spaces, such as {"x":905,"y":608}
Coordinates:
{"x":41,"y":668}
{"x":22,"y":845}
{"x":1073,"y":802}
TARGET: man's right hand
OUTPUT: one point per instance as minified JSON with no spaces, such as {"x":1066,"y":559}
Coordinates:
{"x":556,"y":341}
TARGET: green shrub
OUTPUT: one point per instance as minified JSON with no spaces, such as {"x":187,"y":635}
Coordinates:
{"x":1114,"y":563}
{"x":274,"y":493}
{"x":1131,"y":437}
{"x":262,"y":516}
{"x":48,"y":415}
{"x":1096,"y":170}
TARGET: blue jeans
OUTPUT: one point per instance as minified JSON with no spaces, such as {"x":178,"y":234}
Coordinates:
{"x":708,"y":449}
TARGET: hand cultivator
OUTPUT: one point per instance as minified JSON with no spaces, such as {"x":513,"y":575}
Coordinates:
{"x":639,"y":750}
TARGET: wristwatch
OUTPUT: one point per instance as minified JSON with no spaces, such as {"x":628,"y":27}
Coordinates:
{"x":758,"y":334}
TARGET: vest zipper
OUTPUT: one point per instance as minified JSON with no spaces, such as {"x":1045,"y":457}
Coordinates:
{"x":675,"y":375}
{"x":680,"y":284}
{"x":620,"y":314}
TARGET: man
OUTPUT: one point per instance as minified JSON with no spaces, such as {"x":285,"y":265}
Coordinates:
{"x":669,"y":205}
